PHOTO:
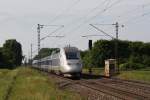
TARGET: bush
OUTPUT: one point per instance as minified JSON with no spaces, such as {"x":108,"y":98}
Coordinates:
{"x":146,"y":60}
{"x":131,"y":66}
{"x":132,"y":54}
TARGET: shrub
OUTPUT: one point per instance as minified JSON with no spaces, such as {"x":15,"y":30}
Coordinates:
{"x":146,"y":60}
{"x":131,"y":66}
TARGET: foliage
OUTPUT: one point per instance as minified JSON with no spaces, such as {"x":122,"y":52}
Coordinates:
{"x":146,"y":60}
{"x":102,"y":50}
{"x":1,"y":57}
{"x":11,"y":53}
{"x":131,"y":66}
{"x":140,"y":75}
{"x":132,"y":55}
{"x":86,"y":58}
{"x":30,"y":84}
{"x":6,"y":79}
{"x":45,"y":52}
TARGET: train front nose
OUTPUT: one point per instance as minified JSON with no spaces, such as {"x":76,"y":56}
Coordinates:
{"x":73,"y":68}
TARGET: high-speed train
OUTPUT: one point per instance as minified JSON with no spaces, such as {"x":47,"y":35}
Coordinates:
{"x":65,"y":61}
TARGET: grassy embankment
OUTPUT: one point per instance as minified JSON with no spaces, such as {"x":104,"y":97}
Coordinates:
{"x":30,"y":84}
{"x":6,"y":80}
{"x":139,"y":75}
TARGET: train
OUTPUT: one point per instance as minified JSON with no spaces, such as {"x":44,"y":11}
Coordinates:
{"x":64,"y":61}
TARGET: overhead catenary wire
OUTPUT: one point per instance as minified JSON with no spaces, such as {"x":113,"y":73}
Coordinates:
{"x":102,"y":11}
{"x":91,"y":11}
{"x":57,"y":16}
{"x":135,"y":18}
{"x":125,"y":14}
{"x":92,"y":35}
{"x":106,"y":34}
{"x":99,"y":13}
{"x":60,"y":27}
{"x":126,"y":22}
{"x":131,"y":11}
{"x":66,"y":10}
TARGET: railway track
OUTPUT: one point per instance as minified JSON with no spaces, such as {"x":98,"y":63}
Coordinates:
{"x":131,"y":82}
{"x":130,"y":87}
{"x":100,"y":95}
{"x":122,"y":91}
{"x":114,"y":88}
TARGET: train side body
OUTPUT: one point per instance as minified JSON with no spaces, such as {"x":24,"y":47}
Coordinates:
{"x":67,"y":62}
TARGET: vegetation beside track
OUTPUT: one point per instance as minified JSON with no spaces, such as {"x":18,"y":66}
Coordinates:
{"x":6,"y":80}
{"x":31,"y":84}
{"x":139,"y":75}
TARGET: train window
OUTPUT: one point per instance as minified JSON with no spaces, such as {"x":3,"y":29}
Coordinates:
{"x":72,"y":55}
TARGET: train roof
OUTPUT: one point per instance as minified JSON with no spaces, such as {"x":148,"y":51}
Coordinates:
{"x":70,"y":49}
{"x":66,"y":49}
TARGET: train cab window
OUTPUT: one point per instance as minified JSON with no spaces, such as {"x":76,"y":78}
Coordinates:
{"x":72,"y":55}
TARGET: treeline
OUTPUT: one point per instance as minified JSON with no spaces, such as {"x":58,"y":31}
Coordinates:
{"x":44,"y":52}
{"x":132,"y":55}
{"x":10,"y":54}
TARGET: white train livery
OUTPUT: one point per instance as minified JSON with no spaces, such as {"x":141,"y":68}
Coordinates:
{"x":65,"y":61}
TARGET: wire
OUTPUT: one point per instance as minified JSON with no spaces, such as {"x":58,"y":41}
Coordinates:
{"x":66,"y":10}
{"x":125,"y":14}
{"x":132,"y":11}
{"x":52,"y":32}
{"x":145,"y":14}
{"x":92,"y":35}
{"x":102,"y":11}
{"x":102,"y":31}
{"x":135,"y":18}
{"x":92,"y":10}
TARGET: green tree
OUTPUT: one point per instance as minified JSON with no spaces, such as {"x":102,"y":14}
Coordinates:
{"x":45,"y":52}
{"x":12,"y":51}
{"x":86,"y":58}
{"x":132,"y":54}
{"x":1,"y":57}
{"x":102,"y":50}
{"x":136,"y":48}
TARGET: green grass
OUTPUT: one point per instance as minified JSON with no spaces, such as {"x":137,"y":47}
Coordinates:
{"x":140,"y":75}
{"x":6,"y":78}
{"x":31,"y":84}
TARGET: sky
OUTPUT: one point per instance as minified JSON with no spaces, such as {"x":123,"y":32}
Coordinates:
{"x":19,"y":19}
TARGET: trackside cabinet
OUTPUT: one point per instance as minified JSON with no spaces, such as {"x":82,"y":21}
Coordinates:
{"x":110,"y":67}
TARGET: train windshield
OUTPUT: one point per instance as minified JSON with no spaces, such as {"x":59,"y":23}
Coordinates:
{"x":72,"y":55}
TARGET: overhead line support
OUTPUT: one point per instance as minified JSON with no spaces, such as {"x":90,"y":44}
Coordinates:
{"x":114,"y":38}
{"x":39,"y":42}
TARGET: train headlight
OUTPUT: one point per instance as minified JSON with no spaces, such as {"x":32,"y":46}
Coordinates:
{"x":68,"y":68}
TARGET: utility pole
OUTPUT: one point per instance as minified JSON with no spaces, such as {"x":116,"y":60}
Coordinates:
{"x":116,"y":45}
{"x":40,"y":39}
{"x":31,"y":54}
{"x":39,"y":42}
{"x":115,"y":38}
